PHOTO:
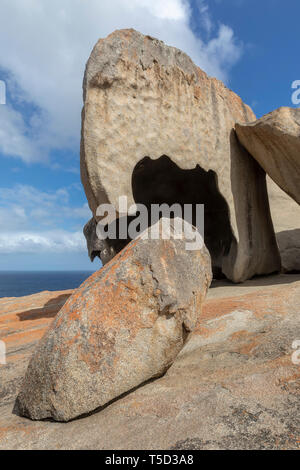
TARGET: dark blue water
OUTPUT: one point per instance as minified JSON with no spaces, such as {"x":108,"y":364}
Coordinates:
{"x":19,"y":283}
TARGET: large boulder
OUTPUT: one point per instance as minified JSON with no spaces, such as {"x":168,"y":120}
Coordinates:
{"x":123,"y":326}
{"x":156,"y":128}
{"x":274,"y":141}
{"x":235,"y":384}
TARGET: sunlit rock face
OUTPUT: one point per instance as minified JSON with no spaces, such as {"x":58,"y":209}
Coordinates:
{"x":155,"y":127}
{"x":274,"y":141}
{"x":123,"y":326}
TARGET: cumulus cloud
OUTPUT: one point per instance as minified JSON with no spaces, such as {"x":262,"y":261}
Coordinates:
{"x":29,"y":217}
{"x":56,"y":241}
{"x":24,"y":207}
{"x":29,"y":196}
{"x":13,"y":138}
{"x":44,"y":47}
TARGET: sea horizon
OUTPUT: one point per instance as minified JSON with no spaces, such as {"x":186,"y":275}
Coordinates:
{"x":20,"y":283}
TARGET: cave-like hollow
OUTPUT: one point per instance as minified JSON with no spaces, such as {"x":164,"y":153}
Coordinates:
{"x":162,"y":181}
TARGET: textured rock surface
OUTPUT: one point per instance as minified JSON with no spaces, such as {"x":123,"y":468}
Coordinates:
{"x":289,"y":246}
{"x":122,"y":327}
{"x":95,"y":245}
{"x":145,"y":99}
{"x":286,"y":219}
{"x":274,"y":141}
{"x":23,"y":321}
{"x":240,"y":389}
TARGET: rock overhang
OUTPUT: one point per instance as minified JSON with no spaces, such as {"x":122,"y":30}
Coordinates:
{"x":143,"y":98}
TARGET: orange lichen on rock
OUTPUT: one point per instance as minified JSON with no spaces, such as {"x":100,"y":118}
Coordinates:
{"x":123,"y":326}
{"x":220,"y":393}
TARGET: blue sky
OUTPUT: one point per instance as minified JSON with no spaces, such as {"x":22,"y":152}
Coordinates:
{"x":251,"y":45}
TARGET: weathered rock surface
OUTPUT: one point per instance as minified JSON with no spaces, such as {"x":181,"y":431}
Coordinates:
{"x":95,"y":245}
{"x":23,"y":321}
{"x":122,"y":327}
{"x":238,"y":390}
{"x":274,"y":141}
{"x":145,"y":99}
{"x":289,"y":246}
{"x":286,"y":220}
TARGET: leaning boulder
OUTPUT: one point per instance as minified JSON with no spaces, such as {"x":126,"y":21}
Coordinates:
{"x":123,"y":326}
{"x":157,"y":129}
{"x":274,"y":141}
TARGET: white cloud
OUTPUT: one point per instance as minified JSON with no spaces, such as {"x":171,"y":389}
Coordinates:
{"x":29,"y":196}
{"x":168,"y":9}
{"x":83,"y":212}
{"x":205,"y":17}
{"x":221,"y":51}
{"x":12,"y":217}
{"x":29,"y":217}
{"x":56,"y":241}
{"x":24,"y":208}
{"x":13,"y":138}
{"x":45,"y":45}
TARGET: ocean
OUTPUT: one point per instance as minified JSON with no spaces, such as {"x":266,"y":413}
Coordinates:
{"x":19,"y":283}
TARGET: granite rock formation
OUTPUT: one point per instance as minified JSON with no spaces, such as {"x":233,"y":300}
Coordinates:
{"x":123,"y":326}
{"x":274,"y":141}
{"x":156,"y":128}
{"x":233,"y":386}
